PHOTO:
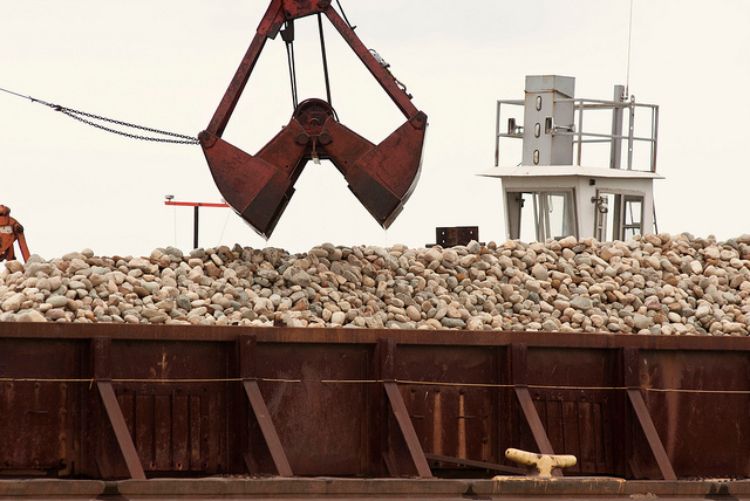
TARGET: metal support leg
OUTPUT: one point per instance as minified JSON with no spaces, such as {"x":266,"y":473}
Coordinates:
{"x":615,"y":155}
{"x":630,"y":365}
{"x":518,"y":375}
{"x":102,"y":368}
{"x":652,"y":436}
{"x":196,"y":210}
{"x":387,"y":358}
{"x":534,"y":422}
{"x":124,"y":440}
{"x":407,"y":429}
{"x":258,"y":405}
{"x":267,"y":428}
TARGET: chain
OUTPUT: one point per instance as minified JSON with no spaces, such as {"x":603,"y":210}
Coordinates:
{"x":88,"y":119}
{"x":79,"y":116}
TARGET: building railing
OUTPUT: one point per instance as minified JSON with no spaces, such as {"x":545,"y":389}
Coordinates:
{"x":581,"y":137}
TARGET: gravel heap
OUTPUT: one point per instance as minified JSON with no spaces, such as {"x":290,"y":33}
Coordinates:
{"x":656,"y":284}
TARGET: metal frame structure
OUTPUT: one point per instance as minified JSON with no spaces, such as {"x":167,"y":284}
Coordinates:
{"x":581,"y":137}
{"x":196,"y":213}
{"x":109,"y":401}
{"x":553,"y":135}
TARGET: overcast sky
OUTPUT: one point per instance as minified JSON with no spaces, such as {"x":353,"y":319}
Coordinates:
{"x":166,"y":64}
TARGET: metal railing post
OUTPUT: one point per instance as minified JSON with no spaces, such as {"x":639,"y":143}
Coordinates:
{"x":497,"y":136}
{"x":654,"y":137}
{"x":631,"y":128}
{"x":580,"y":132}
{"x":616,"y":148}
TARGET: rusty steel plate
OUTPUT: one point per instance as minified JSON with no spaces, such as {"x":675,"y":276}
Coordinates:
{"x":116,"y":402}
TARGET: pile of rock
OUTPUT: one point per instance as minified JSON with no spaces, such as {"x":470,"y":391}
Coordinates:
{"x":656,"y":284}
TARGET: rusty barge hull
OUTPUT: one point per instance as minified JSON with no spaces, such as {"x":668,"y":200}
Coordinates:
{"x":113,"y":402}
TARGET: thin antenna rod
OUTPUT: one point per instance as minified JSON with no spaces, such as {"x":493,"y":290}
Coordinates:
{"x":630,"y":39}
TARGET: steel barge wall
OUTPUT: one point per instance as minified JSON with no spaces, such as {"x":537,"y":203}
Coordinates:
{"x":109,"y":401}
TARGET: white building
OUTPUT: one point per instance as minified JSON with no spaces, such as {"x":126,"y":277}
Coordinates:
{"x":551,"y":193}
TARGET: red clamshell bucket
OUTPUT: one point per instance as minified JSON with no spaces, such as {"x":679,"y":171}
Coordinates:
{"x":259,"y":186}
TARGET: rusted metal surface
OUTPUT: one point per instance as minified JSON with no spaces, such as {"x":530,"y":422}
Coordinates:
{"x":247,"y":349}
{"x":631,"y":359}
{"x":543,"y":444}
{"x":122,"y":434}
{"x":10,"y":233}
{"x":267,"y":428}
{"x":407,"y":430}
{"x":506,"y":488}
{"x":652,"y":436}
{"x":519,"y":371}
{"x":482,"y":465}
{"x":96,"y":401}
{"x":456,"y":235}
{"x":102,"y":359}
{"x":322,"y":427}
{"x":702,"y":419}
{"x":260,"y":186}
{"x":39,"y":422}
{"x":577,"y":422}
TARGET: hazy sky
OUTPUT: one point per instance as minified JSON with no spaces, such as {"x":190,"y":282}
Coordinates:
{"x":166,"y":64}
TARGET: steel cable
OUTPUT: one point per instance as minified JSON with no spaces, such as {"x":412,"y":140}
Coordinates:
{"x":446,"y":384}
{"x":287,"y":34}
{"x":325,"y":59}
{"x":343,"y":14}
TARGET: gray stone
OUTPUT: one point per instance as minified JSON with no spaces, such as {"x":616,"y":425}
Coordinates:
{"x":642,"y":321}
{"x":183,"y":302}
{"x":34,"y":269}
{"x":338,"y":318}
{"x":57,"y":301}
{"x":695,"y":267}
{"x":297,"y":276}
{"x":539,"y":271}
{"x":550,"y":325}
{"x":453,"y":323}
{"x":581,"y":303}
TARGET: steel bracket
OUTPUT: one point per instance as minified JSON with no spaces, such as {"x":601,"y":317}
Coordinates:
{"x":247,"y":349}
{"x":519,"y":380}
{"x":631,"y":359}
{"x":102,"y":375}
{"x":400,"y":412}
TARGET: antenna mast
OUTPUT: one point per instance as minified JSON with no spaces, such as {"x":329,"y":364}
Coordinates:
{"x":630,"y":39}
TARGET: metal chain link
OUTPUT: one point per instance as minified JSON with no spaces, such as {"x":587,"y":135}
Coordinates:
{"x":79,"y":115}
